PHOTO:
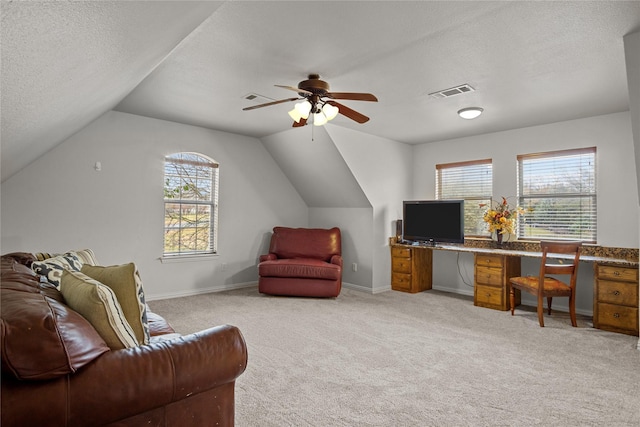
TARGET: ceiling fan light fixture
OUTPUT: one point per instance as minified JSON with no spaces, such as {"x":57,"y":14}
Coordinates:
{"x":303,"y":108}
{"x":300,"y":111}
{"x":470,"y":113}
{"x":295,"y":115}
{"x":330,"y":111}
{"x":319,"y":119}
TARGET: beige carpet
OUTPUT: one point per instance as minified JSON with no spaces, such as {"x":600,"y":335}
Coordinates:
{"x":429,"y":359}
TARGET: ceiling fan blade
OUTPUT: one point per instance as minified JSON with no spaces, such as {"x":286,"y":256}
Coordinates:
{"x":301,"y":123}
{"x":354,"y":96}
{"x":295,"y":89}
{"x":352,"y":114}
{"x":253,"y":107}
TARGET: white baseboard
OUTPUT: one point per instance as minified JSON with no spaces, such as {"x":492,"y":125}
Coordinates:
{"x":588,"y":313}
{"x":365,"y":289}
{"x":188,"y":293}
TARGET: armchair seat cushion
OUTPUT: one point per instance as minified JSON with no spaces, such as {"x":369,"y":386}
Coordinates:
{"x":300,"y":267}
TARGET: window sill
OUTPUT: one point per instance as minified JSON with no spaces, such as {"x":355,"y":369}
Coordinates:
{"x":187,"y":258}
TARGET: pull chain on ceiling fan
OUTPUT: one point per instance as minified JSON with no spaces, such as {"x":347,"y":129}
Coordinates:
{"x":318,"y":101}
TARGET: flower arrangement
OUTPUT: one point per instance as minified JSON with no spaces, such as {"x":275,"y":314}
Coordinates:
{"x":501,"y":217}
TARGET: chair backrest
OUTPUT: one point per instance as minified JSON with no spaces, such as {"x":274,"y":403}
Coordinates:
{"x":318,"y":243}
{"x":560,"y":258}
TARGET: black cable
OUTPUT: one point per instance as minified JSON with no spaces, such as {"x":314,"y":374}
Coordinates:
{"x":460,"y":272}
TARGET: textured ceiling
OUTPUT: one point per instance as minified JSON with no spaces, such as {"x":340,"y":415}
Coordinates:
{"x":65,"y":63}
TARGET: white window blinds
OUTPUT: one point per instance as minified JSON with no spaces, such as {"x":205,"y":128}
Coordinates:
{"x":558,"y":190}
{"x":190,"y":204}
{"x":472,"y":182}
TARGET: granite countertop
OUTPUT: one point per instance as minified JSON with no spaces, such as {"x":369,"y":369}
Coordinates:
{"x":590,"y":253}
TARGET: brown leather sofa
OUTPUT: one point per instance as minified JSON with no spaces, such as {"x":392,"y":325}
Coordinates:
{"x":302,"y":262}
{"x":57,"y":370}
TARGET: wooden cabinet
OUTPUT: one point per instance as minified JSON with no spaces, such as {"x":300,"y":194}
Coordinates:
{"x":411,"y":269}
{"x":491,"y":280}
{"x":615,"y":299}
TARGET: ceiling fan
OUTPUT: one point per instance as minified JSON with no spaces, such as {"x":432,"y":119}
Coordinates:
{"x":316,"y":99}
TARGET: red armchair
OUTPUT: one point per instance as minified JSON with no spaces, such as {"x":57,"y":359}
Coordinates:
{"x":302,"y":262}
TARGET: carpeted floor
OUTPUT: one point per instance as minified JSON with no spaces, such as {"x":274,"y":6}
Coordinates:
{"x":428,"y":359}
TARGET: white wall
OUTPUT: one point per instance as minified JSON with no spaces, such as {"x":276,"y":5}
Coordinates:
{"x":356,"y":229}
{"x":616,"y":184}
{"x":382,"y":168}
{"x":60,"y":202}
{"x":632,"y":60}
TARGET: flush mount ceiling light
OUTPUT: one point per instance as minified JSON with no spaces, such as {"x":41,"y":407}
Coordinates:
{"x":470,"y":113}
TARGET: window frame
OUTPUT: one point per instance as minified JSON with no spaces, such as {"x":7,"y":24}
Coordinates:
{"x":592,"y":196}
{"x":212,"y":179}
{"x":473,"y":202}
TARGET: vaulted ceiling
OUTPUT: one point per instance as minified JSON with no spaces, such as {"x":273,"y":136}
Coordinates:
{"x":66,"y":63}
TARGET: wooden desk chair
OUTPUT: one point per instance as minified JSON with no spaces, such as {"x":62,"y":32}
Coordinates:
{"x":548,"y":287}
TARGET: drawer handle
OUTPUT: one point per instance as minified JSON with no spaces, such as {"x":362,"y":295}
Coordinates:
{"x":616,"y":293}
{"x":616,"y":273}
{"x":616,"y":315}
{"x":488,"y":294}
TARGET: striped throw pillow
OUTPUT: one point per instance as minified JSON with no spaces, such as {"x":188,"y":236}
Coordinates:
{"x":99,"y":305}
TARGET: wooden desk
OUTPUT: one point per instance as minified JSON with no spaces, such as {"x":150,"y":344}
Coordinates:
{"x":615,"y":300}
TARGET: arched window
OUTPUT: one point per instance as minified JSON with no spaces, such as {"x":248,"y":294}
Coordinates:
{"x":190,"y":205}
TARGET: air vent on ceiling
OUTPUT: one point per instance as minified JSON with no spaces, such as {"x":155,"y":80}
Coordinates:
{"x":453,"y":91}
{"x":258,"y":99}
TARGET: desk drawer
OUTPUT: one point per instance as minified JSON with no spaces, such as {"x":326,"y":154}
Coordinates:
{"x":401,"y":265}
{"x":495,"y":261}
{"x":618,"y":317}
{"x":489,"y":276}
{"x":489,"y":296}
{"x":617,"y":273}
{"x":401,"y":252}
{"x":401,"y":281}
{"x":622,"y":293}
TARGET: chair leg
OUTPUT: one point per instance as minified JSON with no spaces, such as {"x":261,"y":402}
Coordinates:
{"x":512,"y":299}
{"x":549,"y":299}
{"x":540,"y":312}
{"x":572,"y":310}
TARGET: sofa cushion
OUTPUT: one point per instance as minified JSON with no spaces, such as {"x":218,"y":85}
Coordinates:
{"x":158,"y":325}
{"x":300,"y":267}
{"x":52,"y":268}
{"x":99,"y":305}
{"x":41,"y":338}
{"x":317,"y":243}
{"x":125,"y":281}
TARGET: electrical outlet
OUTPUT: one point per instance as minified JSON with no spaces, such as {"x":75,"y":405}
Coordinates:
{"x":354,"y":266}
{"x":224,"y":266}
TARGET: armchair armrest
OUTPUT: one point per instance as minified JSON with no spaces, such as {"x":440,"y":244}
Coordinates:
{"x":123,"y":383}
{"x":268,"y":257}
{"x":336,"y":259}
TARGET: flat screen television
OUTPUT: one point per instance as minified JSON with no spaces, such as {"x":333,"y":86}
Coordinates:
{"x":433,"y":221}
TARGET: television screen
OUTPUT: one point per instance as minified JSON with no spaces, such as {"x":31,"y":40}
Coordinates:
{"x":433,"y":221}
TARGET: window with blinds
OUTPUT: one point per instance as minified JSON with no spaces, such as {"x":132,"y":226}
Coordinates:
{"x":472,"y":182}
{"x":190,"y":204}
{"x":558,"y":190}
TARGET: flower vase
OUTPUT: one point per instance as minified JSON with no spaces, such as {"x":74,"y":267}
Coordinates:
{"x":499,"y":236}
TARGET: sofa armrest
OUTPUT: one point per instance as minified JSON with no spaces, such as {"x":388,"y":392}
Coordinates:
{"x":268,"y":257}
{"x":122,"y":383}
{"x":337,"y":260}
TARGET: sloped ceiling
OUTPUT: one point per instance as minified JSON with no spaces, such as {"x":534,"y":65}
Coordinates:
{"x":65,"y":63}
{"x":316,"y":169}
